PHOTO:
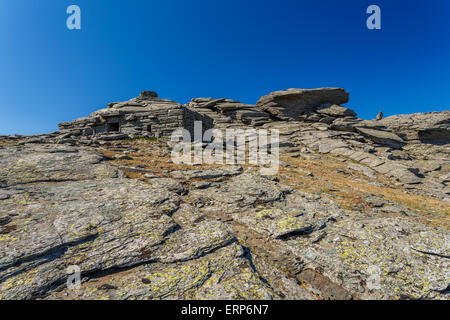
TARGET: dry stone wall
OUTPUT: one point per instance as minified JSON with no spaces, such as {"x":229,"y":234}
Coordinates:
{"x":146,"y":116}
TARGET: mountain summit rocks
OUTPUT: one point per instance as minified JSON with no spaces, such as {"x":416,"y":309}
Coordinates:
{"x":358,"y":210}
{"x":292,"y":103}
{"x":148,"y":115}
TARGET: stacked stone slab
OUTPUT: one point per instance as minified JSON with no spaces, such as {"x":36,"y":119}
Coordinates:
{"x":430,"y":127}
{"x":306,"y":104}
{"x":146,"y":116}
{"x":223,"y":113}
{"x":420,"y":127}
{"x":150,"y":116}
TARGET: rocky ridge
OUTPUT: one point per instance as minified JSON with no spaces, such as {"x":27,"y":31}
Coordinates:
{"x":358,"y":210}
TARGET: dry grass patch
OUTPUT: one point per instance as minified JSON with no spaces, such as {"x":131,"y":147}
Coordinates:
{"x":349,"y":188}
{"x":152,"y":155}
{"x":331,"y":177}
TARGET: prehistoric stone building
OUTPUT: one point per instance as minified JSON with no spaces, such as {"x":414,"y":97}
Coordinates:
{"x":150,"y":116}
{"x":146,"y":115}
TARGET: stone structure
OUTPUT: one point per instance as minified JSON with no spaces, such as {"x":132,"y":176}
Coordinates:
{"x":146,"y":115}
{"x":150,"y":116}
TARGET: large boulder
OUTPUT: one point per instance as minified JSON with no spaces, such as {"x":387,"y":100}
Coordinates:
{"x":335,"y":110}
{"x":292,"y":103}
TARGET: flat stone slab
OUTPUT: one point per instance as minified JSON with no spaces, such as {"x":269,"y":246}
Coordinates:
{"x":275,"y":223}
{"x":207,"y":173}
{"x":53,"y":163}
{"x":379,"y":135}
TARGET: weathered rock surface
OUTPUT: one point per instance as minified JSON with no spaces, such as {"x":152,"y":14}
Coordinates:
{"x":207,"y":174}
{"x":335,"y":110}
{"x":292,"y":103}
{"x":37,"y":163}
{"x":225,"y":112}
{"x":430,"y":127}
{"x":425,"y":127}
{"x":358,"y":210}
{"x":97,"y":223}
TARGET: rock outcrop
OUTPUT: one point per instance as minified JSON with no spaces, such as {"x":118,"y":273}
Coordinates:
{"x":421,"y":127}
{"x":293,"y":103}
{"x":358,"y":210}
{"x":430,"y":127}
{"x":146,"y":115}
{"x":225,"y":112}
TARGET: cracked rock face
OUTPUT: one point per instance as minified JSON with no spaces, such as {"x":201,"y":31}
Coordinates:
{"x":378,"y":259}
{"x":114,"y":226}
{"x":358,"y":210}
{"x":240,"y":236}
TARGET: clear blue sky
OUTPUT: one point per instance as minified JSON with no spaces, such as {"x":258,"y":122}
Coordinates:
{"x":240,"y":49}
